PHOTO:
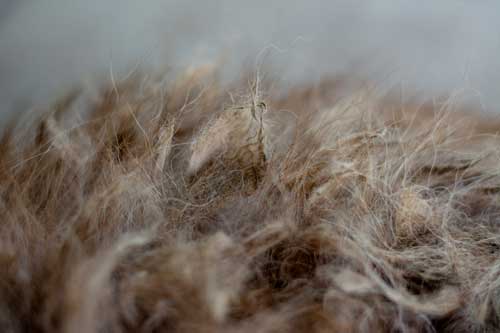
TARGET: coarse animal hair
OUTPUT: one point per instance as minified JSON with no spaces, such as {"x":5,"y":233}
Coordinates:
{"x":201,"y":207}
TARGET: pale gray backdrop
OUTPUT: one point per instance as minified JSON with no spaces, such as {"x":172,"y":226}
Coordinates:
{"x":426,"y":45}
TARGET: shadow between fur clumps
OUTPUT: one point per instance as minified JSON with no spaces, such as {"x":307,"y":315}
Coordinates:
{"x":191,"y":209}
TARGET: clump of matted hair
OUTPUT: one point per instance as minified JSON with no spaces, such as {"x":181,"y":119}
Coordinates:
{"x":192,"y":210}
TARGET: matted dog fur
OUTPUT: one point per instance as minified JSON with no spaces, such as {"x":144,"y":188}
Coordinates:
{"x":207,"y":208}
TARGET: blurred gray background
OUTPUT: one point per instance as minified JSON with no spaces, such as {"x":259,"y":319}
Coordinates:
{"x":425,"y":46}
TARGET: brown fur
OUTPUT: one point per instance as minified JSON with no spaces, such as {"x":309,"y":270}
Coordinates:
{"x":190,"y":210}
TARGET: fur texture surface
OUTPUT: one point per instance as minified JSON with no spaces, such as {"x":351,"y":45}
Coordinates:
{"x":201,"y":208}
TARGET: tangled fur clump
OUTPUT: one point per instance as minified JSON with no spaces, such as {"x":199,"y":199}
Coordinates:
{"x":191,"y":210}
